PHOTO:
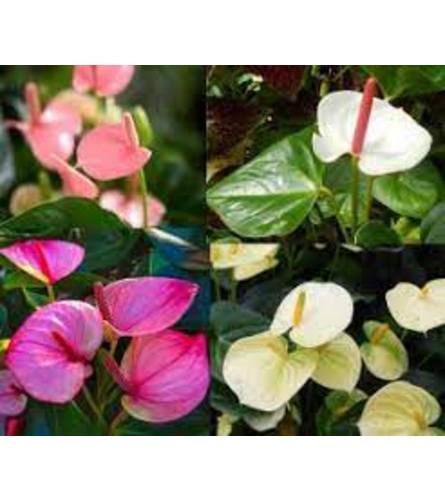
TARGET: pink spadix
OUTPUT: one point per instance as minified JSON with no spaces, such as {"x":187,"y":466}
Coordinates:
{"x":164,"y":376}
{"x":112,"y":151}
{"x":51,"y":352}
{"x":12,"y":398}
{"x":363,"y":116}
{"x":141,"y":306}
{"x":50,"y":131}
{"x":46,"y":260}
{"x":130,"y":208}
{"x":74,"y":182}
{"x":102,"y":79}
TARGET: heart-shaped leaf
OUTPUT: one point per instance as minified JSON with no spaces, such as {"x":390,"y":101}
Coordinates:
{"x":272,"y":194}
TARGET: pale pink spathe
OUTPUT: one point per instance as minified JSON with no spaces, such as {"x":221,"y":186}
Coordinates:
{"x":164,"y":376}
{"x":141,"y":306}
{"x":74,"y":182}
{"x":51,"y":131}
{"x":12,"y":399}
{"x":130,"y":208}
{"x":112,"y":151}
{"x":46,"y":260}
{"x":51,"y":352}
{"x":104,"y":80}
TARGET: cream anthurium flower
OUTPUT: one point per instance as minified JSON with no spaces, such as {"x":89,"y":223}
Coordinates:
{"x":399,"y":409}
{"x":263,"y":374}
{"x":265,"y":421}
{"x":246,"y":260}
{"x":384,"y":354}
{"x":339,"y":364}
{"x":392,"y":140}
{"x":418,"y":309}
{"x":315,"y":313}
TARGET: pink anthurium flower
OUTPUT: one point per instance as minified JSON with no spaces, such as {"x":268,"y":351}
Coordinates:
{"x":140,"y":306}
{"x":74,"y":182}
{"x":131,"y":208}
{"x":164,"y":377}
{"x":51,"y":352}
{"x":12,"y":398}
{"x":112,"y":151}
{"x":50,"y":131}
{"x":102,"y":79}
{"x":46,"y":260}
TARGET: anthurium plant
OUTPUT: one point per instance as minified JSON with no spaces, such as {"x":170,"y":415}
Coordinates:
{"x":351,"y":154}
{"x":330,"y":341}
{"x":104,"y":294}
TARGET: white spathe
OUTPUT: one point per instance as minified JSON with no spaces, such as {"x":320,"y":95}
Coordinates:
{"x":418,"y":309}
{"x":263,"y":374}
{"x":394,"y":141}
{"x":246,"y":260}
{"x":399,"y":409}
{"x":326,"y":312}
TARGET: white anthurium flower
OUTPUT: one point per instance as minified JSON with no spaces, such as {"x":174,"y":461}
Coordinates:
{"x":246,"y":259}
{"x":384,"y":354}
{"x":418,"y":309}
{"x":400,"y":409}
{"x":393,"y":140}
{"x":265,"y":421}
{"x":315,"y":313}
{"x":263,"y":374}
{"x":339,"y":364}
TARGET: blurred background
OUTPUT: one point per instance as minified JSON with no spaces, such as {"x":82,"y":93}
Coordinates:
{"x":174,"y":99}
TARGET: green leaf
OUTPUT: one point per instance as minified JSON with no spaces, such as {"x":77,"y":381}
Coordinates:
{"x":106,"y":238}
{"x":432,"y":228}
{"x":376,"y":234}
{"x":403,"y":81}
{"x":69,"y":420}
{"x":231,"y":322}
{"x":272,"y":194}
{"x":412,"y":193}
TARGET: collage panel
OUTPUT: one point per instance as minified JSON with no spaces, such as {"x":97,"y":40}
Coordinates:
{"x":104,"y":292}
{"x":327,"y":341}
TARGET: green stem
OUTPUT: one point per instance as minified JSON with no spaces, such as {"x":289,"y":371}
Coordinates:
{"x":89,"y":399}
{"x":336,"y":209}
{"x":117,"y":420}
{"x":217,"y":288}
{"x":355,"y":180}
{"x":233,"y":289}
{"x":369,"y":185}
{"x":51,"y":293}
{"x":145,"y":197}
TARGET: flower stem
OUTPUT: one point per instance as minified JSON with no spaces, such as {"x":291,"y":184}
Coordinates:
{"x":51,"y":293}
{"x":89,"y":399}
{"x":117,"y":421}
{"x":369,"y":185}
{"x":355,"y":185}
{"x":145,"y":197}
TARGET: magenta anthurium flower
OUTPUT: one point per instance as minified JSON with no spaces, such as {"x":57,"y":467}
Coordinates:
{"x":46,"y":260}
{"x":142,"y":306}
{"x":50,"y":131}
{"x":164,"y":377}
{"x":130,"y":208}
{"x":12,"y":398}
{"x":74,"y":182}
{"x":102,"y":79}
{"x":51,"y":352}
{"x":111,"y":151}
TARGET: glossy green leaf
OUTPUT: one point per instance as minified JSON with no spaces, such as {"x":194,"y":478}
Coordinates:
{"x":376,"y":234}
{"x":272,"y":194}
{"x":409,"y":80}
{"x":432,"y":228}
{"x":412,"y":193}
